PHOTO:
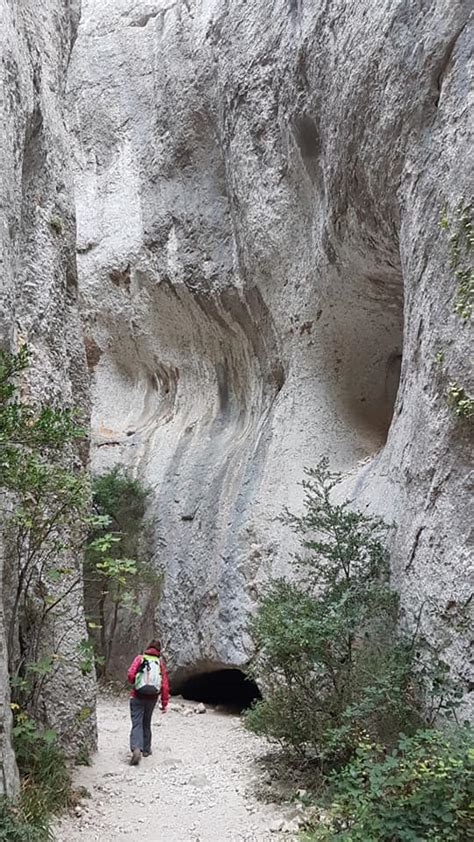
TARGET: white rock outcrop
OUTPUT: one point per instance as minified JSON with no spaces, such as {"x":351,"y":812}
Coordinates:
{"x":38,"y":277}
{"x":258,"y":190}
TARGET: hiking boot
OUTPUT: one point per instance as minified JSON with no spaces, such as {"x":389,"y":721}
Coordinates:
{"x":147,"y":753}
{"x":136,"y":757}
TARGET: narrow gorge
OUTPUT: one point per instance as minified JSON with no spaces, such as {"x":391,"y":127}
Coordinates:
{"x":222,"y":238}
{"x":264,"y":281}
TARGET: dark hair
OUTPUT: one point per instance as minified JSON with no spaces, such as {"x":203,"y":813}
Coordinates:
{"x":155,"y":644}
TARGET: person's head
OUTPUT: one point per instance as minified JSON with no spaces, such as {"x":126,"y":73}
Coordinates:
{"x":155,"y":644}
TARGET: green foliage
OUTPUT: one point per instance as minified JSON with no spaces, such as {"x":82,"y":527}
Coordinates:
{"x":461,"y":242}
{"x":56,"y":223}
{"x":461,"y":403}
{"x":117,"y":569}
{"x":48,"y":526}
{"x":464,"y":300}
{"x":123,"y":500}
{"x":28,"y":425}
{"x":45,"y":784}
{"x":444,"y":219}
{"x":88,"y":658}
{"x":340,"y":683}
{"x":116,"y":563}
{"x":14,"y":827}
{"x":420,"y":790}
{"x":328,"y":659}
{"x":47,"y":501}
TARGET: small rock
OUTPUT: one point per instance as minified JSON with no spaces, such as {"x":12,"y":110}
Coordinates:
{"x":198,"y":781}
{"x":200,"y":708}
{"x":78,"y":811}
{"x":276,"y":826}
{"x":291,"y":827}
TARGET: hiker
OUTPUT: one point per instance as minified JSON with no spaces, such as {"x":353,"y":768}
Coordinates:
{"x":147,"y":673}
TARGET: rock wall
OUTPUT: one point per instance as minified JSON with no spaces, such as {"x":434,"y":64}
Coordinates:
{"x":264,"y":281}
{"x":38,"y":270}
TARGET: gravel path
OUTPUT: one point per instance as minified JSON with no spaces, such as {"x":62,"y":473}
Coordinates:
{"x":196,"y":787}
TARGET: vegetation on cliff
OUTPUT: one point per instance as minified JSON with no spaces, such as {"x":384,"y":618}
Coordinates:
{"x":117,"y":564}
{"x":49,"y":525}
{"x":345,"y":690}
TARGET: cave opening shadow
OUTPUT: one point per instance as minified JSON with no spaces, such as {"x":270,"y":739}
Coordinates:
{"x":228,"y":688}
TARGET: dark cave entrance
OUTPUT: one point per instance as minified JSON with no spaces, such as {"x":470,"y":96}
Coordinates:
{"x":229,"y":688}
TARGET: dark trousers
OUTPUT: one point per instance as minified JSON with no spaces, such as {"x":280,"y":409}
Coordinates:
{"x":141,"y":711}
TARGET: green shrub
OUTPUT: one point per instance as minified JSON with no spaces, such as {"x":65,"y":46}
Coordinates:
{"x":328,"y":659}
{"x":45,"y":784}
{"x":45,"y":776}
{"x":422,"y":790}
{"x":117,"y":564}
{"x":460,"y":401}
{"x":15,"y":828}
{"x":45,"y":504}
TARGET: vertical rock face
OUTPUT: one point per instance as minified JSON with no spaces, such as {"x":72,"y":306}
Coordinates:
{"x":258,"y":189}
{"x":37,"y":253}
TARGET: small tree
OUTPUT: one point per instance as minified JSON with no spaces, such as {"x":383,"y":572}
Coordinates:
{"x":46,"y":499}
{"x":117,"y":563}
{"x":327,"y":655}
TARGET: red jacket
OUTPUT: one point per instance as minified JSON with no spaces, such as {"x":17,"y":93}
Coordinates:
{"x":132,"y":671}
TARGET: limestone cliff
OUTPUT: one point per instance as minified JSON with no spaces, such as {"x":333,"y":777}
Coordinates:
{"x":38,"y":269}
{"x":258,"y":188}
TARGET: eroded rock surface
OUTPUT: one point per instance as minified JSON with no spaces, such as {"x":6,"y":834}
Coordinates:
{"x":39,"y":279}
{"x":258,"y":189}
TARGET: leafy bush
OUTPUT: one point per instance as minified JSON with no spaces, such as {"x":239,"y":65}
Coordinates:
{"x":46,"y":505}
{"x":122,"y":499}
{"x":327,"y":655}
{"x":45,"y":784}
{"x":421,"y":790}
{"x":45,"y":777}
{"x":116,"y":562}
{"x":15,"y":828}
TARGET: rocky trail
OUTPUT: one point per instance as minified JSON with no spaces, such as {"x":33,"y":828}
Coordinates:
{"x":198,"y":786}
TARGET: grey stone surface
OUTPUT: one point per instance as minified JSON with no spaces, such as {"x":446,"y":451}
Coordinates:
{"x":258,"y":190}
{"x":38,"y":277}
{"x":9,"y":781}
